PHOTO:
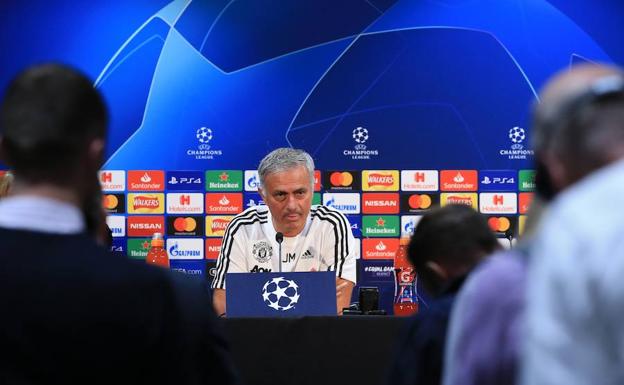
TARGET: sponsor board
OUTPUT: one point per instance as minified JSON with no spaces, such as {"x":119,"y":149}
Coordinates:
{"x":146,"y":180}
{"x":213,"y":247}
{"x":380,"y":226}
{"x":112,"y":180}
{"x":498,"y":203}
{"x":145,"y":203}
{"x":419,"y":180}
{"x":224,"y":180}
{"x":117,"y":224}
{"x":356,"y":225}
{"x":185,"y":248}
{"x":114,"y":203}
{"x":216,"y":224}
{"x":188,"y":267}
{"x":521,"y":224}
{"x":524,"y":202}
{"x":408,"y":224}
{"x":358,"y":247}
{"x":251,"y":199}
{"x":252,"y":180}
{"x":376,"y":271}
{"x":118,"y":246}
{"x":458,"y":180}
{"x":360,"y":136}
{"x":468,"y":199}
{"x":497,"y":180}
{"x":526,"y":180}
{"x":517,"y":137}
{"x":380,"y":203}
{"x":316,"y":198}
{"x":224,"y":203}
{"x":380,"y":180}
{"x":210,"y":272}
{"x":185,"y":226}
{"x":317,"y":180}
{"x":185,"y":203}
{"x":145,"y":226}
{"x":185,"y":181}
{"x":379,"y":248}
{"x":419,"y":202}
{"x":342,"y":180}
{"x":138,"y":248}
{"x":502,"y":225}
{"x":347,"y":203}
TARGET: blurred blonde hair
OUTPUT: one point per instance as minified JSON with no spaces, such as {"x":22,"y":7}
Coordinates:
{"x":6,"y":181}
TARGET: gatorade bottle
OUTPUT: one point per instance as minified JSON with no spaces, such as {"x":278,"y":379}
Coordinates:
{"x":405,"y":296}
{"x":157,"y":255}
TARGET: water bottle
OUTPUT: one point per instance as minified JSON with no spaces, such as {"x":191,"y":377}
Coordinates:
{"x":157,"y":255}
{"x":405,"y":295}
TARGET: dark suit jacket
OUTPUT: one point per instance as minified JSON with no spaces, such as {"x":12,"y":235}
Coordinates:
{"x":72,"y":313}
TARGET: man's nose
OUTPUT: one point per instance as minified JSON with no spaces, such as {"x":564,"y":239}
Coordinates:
{"x":291,"y":202}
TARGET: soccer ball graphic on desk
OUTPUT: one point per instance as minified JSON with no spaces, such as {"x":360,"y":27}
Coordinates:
{"x":280,"y":293}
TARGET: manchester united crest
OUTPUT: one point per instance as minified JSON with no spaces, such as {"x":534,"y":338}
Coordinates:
{"x":262,"y":251}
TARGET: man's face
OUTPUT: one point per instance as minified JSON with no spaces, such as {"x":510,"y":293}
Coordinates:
{"x":289,"y":197}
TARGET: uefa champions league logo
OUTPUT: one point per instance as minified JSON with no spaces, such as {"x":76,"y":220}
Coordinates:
{"x":517,"y":135}
{"x":203,"y":135}
{"x":280,"y":293}
{"x":360,"y":135}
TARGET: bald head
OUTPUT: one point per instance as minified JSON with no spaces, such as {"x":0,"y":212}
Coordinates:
{"x":579,"y":123}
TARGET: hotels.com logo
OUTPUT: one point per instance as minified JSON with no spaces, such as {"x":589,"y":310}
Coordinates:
{"x":380,"y":203}
{"x":419,"y":180}
{"x":498,"y":203}
{"x":145,"y":226}
{"x":146,"y":180}
{"x":113,"y":180}
{"x":185,"y":203}
{"x":458,"y":180}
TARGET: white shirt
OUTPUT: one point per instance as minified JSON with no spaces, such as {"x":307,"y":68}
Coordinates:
{"x":325,"y":244}
{"x":40,"y":214}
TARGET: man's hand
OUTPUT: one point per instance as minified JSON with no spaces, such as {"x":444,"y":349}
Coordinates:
{"x":343,"y":294}
{"x":218,"y":301}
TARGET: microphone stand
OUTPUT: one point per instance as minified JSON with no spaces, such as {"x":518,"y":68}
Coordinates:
{"x":279,"y":237}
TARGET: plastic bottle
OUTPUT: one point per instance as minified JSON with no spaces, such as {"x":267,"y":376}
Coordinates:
{"x":157,"y":255}
{"x":405,"y":295}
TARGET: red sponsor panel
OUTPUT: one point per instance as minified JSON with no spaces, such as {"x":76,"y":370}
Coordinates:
{"x":317,"y":180}
{"x":146,"y":180}
{"x":145,"y":226}
{"x":524,"y":202}
{"x":459,"y":180}
{"x":379,"y":248}
{"x":213,"y":247}
{"x":380,"y":203}
{"x":224,"y":203}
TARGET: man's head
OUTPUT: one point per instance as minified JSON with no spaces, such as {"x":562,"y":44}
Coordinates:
{"x":578,"y":125}
{"x":53,"y":126}
{"x":447,"y":243}
{"x":286,"y":186}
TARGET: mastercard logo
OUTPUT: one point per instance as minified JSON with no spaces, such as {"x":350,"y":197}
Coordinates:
{"x":343,"y":179}
{"x":184,"y":224}
{"x":419,"y":201}
{"x":499,"y":224}
{"x":110,"y":201}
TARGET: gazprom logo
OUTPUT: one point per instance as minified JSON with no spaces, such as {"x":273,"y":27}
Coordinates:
{"x":347,"y":203}
{"x":252,"y":180}
{"x":185,"y":248}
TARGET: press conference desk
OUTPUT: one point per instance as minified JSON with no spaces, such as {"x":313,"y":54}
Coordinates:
{"x":313,"y":350}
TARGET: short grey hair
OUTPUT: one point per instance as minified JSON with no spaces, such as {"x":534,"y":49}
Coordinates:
{"x":284,"y":159}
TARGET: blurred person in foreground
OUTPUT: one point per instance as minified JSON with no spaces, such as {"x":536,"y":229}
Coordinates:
{"x":447,"y":244}
{"x":575,"y":290}
{"x":72,"y":314}
{"x":315,"y":238}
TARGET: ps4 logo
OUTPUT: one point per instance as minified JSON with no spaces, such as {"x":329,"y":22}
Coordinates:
{"x":497,"y":180}
{"x":191,"y":180}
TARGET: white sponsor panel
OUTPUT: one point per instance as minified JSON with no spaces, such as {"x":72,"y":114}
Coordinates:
{"x":117,"y":224}
{"x":408,"y":224}
{"x":347,"y":203}
{"x":498,"y":203}
{"x":185,"y":203}
{"x":185,"y":248}
{"x":419,"y":180}
{"x":252,"y":180}
{"x":112,"y":180}
{"x":358,"y":248}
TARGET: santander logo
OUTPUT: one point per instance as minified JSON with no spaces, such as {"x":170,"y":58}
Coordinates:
{"x":381,"y":246}
{"x":146,"y":178}
{"x":224,"y":201}
{"x":458,"y":178}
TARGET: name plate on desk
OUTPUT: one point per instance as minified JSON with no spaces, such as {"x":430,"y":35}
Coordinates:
{"x":280,"y":294}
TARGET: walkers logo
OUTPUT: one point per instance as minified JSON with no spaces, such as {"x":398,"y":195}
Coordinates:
{"x":185,"y":180}
{"x":203,"y":151}
{"x":145,"y":226}
{"x":185,"y":203}
{"x":380,"y":203}
{"x":379,"y":248}
{"x":419,"y":180}
{"x":375,"y":272}
{"x":497,"y":180}
{"x":114,"y":203}
{"x":138,"y":248}
{"x":524,"y":202}
{"x":419,"y":203}
{"x":517,"y":138}
{"x":380,"y":180}
{"x":146,"y":203}
{"x":458,"y":180}
{"x":468,"y":199}
{"x":224,"y":203}
{"x":502,"y":225}
{"x":146,"y":180}
{"x":408,"y":224}
{"x":216,"y":225}
{"x":360,"y":151}
{"x":117,"y":224}
{"x":224,"y":180}
{"x":498,"y":203}
{"x":184,"y":248}
{"x":380,"y":226}
{"x":188,"y":267}
{"x":527,"y":180}
{"x":213,"y":248}
{"x":342,"y":180}
{"x":252,"y":180}
{"x":185,"y":226}
{"x":251,"y":199}
{"x":347,"y":203}
{"x":521,"y":224}
{"x":112,"y":180}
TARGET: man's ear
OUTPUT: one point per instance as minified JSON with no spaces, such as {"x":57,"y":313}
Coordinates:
{"x":438,"y":270}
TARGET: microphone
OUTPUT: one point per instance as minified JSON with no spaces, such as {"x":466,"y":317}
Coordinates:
{"x":509,"y":235}
{"x":279,"y":237}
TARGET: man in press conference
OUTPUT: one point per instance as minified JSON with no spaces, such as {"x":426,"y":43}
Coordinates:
{"x":312,"y":238}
